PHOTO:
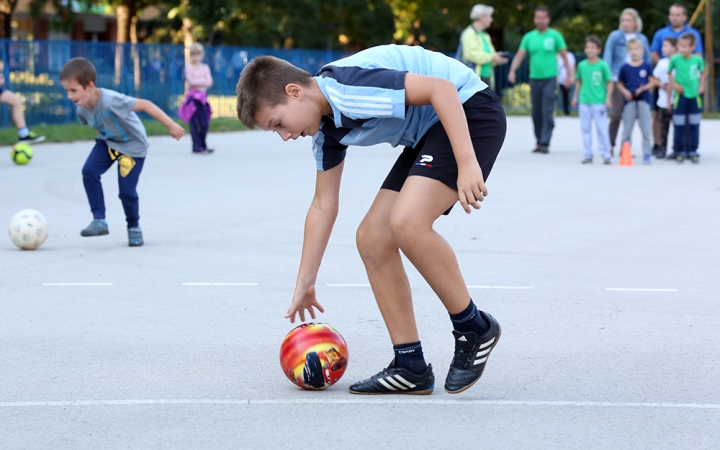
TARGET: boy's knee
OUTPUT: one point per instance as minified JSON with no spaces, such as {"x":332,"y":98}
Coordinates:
{"x":371,"y":237}
{"x":402,"y":227}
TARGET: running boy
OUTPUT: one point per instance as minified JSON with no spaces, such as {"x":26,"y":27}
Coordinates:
{"x":18,"y":116}
{"x":452,"y":128}
{"x":635,"y":81}
{"x":689,"y":83}
{"x":665,"y":97}
{"x":121,"y":136}
{"x":594,"y":87}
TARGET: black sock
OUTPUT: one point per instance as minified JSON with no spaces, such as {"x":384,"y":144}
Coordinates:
{"x":410,"y":356}
{"x":470,"y":320}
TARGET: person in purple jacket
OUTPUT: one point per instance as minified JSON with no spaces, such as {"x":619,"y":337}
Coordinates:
{"x":195,"y":109}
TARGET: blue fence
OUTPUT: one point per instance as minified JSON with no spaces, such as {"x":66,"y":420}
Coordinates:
{"x":154,"y":72}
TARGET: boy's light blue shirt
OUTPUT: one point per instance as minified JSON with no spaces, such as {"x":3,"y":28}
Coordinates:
{"x":367,"y":94}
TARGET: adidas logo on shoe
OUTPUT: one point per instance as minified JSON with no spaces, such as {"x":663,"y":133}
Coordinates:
{"x":471,"y":355}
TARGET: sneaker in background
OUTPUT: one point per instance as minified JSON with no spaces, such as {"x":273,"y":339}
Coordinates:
{"x":98,"y":227}
{"x":135,"y":237}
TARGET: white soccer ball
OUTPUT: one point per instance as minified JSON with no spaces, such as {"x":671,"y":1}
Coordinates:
{"x":28,"y":229}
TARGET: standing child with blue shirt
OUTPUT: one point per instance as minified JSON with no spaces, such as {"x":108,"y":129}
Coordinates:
{"x":689,"y":83}
{"x":121,"y":137}
{"x":635,"y":81}
{"x":594,"y":88}
{"x":451,"y":127}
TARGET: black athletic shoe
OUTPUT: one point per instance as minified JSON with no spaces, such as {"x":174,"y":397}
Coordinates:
{"x":396,"y":380}
{"x":31,"y":138}
{"x":471,"y":355}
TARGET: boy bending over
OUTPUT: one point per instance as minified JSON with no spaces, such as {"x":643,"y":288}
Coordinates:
{"x":451,"y":127}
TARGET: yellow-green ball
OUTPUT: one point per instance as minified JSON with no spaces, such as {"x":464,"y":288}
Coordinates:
{"x":21,"y":153}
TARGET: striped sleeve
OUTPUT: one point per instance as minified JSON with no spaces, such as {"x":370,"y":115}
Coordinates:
{"x":327,"y":149}
{"x":363,"y":94}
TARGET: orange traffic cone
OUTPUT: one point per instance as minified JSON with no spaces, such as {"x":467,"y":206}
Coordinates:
{"x":626,"y":155}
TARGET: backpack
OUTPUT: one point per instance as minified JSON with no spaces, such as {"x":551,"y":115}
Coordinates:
{"x":459,"y":52}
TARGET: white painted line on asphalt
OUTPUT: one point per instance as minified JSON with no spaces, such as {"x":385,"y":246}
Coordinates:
{"x":77,"y":284}
{"x":499,"y":287}
{"x":357,"y":401}
{"x":347,"y":285}
{"x":640,"y":290}
{"x":220,"y":284}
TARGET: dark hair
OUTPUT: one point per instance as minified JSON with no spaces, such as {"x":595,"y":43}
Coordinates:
{"x":679,"y":5}
{"x":543,"y":8}
{"x":80,"y":70}
{"x":688,"y":37}
{"x":671,"y":40}
{"x":262,"y":84}
{"x":595,"y":40}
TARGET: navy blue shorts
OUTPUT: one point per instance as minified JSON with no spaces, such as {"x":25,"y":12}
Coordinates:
{"x":433,"y":157}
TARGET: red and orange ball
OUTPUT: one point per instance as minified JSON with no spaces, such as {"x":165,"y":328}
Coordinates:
{"x":314,"y":356}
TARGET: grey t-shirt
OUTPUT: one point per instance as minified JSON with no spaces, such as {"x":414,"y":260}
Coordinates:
{"x":116,"y":123}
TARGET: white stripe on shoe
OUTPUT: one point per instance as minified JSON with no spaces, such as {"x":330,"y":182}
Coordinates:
{"x":480,"y":361}
{"x":385,"y":383}
{"x":482,"y":353}
{"x":486,"y":344}
{"x":404,"y":381}
{"x":395,"y":383}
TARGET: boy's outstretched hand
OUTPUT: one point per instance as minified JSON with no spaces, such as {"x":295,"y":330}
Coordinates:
{"x":471,"y":187}
{"x":176,"y":130}
{"x":303,"y":299}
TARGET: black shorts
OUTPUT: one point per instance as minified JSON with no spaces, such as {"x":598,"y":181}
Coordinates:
{"x":433,"y":157}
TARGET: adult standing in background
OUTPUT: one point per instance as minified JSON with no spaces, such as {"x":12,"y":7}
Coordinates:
{"x":616,"y":55}
{"x":477,"y":47}
{"x":543,"y":44}
{"x":562,"y":77}
{"x":676,"y":27}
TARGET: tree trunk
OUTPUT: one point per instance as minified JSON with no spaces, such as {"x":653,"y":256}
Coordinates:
{"x":123,"y":30}
{"x":187,"y":27}
{"x":135,"y":52}
{"x":7,"y":8}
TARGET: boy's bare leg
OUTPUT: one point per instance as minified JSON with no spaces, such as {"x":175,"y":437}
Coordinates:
{"x":420,"y":202}
{"x":14,"y":101}
{"x":381,"y":256}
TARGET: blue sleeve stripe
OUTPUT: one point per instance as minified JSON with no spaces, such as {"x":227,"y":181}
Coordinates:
{"x":318,"y":141}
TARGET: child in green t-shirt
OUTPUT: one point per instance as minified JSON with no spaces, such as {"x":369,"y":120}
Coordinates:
{"x":594,"y":87}
{"x":689,"y":83}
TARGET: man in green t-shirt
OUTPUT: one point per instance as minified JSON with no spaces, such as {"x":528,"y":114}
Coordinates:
{"x":688,"y":80}
{"x":594,"y":88}
{"x":543,"y":44}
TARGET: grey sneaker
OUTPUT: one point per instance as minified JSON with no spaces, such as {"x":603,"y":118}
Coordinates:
{"x":135,"y":237}
{"x":587,"y":161}
{"x":98,"y":227}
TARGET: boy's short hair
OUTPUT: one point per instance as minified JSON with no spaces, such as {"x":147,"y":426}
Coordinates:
{"x":197,"y":48}
{"x":635,"y":40}
{"x":673,"y":41}
{"x":262,"y":84}
{"x":80,"y":70}
{"x":689,"y":37}
{"x":595,"y":40}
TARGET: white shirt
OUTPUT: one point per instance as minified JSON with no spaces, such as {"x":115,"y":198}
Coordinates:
{"x":661,"y":73}
{"x":562,"y":70}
